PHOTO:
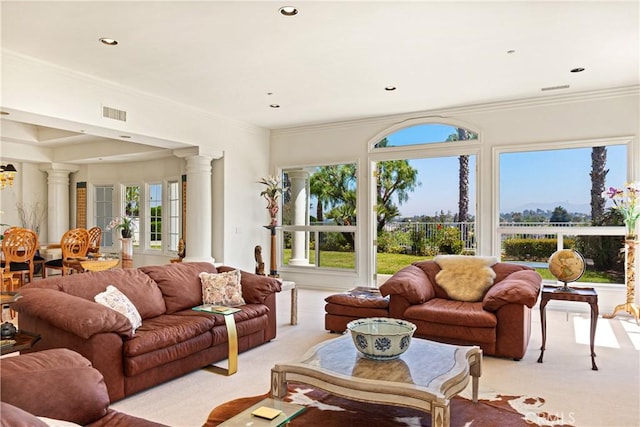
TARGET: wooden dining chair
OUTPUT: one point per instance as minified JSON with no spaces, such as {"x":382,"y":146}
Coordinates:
{"x":95,"y":237}
{"x":74,"y":244}
{"x":19,"y":246}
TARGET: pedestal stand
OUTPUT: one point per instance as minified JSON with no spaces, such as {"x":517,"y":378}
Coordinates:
{"x":127,"y":252}
{"x":273,"y":270}
{"x":630,"y":275}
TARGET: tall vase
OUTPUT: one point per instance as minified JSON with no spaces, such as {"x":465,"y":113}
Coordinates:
{"x":127,"y":253}
{"x":630,"y":279}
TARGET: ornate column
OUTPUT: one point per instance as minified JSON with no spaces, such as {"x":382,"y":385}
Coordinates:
{"x":198,"y":237}
{"x":57,"y":199}
{"x":630,"y":305}
{"x":299,"y":196}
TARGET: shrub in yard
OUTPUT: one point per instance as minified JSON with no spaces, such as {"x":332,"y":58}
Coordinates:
{"x":449,"y":241}
{"x":394,"y":242}
{"x":533,"y":249}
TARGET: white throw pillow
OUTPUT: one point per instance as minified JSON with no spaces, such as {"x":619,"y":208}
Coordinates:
{"x":116,"y":300}
{"x":222,"y":288}
{"x":465,"y":278}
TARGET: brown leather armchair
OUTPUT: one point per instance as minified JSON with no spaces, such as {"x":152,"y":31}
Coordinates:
{"x":500,"y":323}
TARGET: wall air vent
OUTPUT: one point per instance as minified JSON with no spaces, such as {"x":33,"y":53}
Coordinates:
{"x":555,"y":87}
{"x":114,"y":113}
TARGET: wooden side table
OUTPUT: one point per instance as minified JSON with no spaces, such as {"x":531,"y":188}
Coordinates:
{"x":587,"y":295}
{"x":288,"y":285}
{"x":23,"y":340}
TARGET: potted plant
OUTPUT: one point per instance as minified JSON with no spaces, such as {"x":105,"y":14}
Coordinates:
{"x":271,"y":194}
{"x":123,"y":223}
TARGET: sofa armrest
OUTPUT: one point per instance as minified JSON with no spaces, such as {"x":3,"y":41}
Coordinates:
{"x":255,"y":288}
{"x":521,"y":287}
{"x":411,"y":283}
{"x":57,"y":383}
{"x":70,"y":313}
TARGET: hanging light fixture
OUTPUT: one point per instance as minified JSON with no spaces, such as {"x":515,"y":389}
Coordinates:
{"x":7,"y":173}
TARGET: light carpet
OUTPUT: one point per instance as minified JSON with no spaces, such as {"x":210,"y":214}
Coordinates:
{"x":572,"y":392}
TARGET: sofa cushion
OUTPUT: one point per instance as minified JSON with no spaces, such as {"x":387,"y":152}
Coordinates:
{"x":116,"y":300}
{"x":14,"y":416}
{"x":75,"y":391}
{"x":141,"y":290}
{"x":179,"y":283}
{"x":167,"y":330}
{"x":465,"y":278}
{"x":222,"y":288}
{"x":450,"y":312}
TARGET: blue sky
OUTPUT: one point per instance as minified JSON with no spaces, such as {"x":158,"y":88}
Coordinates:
{"x":545,"y":179}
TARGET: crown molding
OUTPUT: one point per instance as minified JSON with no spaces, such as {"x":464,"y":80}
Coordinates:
{"x":444,"y":113}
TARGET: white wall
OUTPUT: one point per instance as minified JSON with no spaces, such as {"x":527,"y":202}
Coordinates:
{"x":550,"y":121}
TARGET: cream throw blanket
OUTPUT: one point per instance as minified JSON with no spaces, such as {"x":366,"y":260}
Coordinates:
{"x":465,"y":278}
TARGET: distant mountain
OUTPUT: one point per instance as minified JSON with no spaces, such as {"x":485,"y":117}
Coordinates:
{"x":550,"y":206}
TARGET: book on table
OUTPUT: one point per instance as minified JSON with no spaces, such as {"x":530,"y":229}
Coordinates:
{"x":266,"y":412}
{"x":218,"y":309}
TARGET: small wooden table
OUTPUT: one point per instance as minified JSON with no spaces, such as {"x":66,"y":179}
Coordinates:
{"x":90,"y":264}
{"x":288,"y":285}
{"x":24,"y":340}
{"x":587,"y":295}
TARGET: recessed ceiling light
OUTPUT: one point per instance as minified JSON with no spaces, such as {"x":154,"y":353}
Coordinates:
{"x":288,"y":11}
{"x":510,"y":51}
{"x":108,"y":41}
{"x":274,"y":106}
{"x":390,"y":88}
{"x":577,"y":70}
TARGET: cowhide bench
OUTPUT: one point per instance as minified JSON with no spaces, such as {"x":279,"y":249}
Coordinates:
{"x":356,"y":304}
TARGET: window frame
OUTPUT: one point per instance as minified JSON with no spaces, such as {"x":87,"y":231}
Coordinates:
{"x":315,"y":229}
{"x":560,"y":232}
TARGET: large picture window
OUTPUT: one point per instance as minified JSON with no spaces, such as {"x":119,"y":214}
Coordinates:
{"x":556,"y":203}
{"x":319,"y":217}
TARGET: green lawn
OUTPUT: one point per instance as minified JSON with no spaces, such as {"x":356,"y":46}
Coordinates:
{"x":390,"y":263}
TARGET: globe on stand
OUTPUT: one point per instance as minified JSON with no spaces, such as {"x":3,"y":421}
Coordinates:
{"x":567,"y":265}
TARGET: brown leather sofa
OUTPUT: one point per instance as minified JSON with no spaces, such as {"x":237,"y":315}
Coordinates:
{"x":173,"y":339}
{"x":58,"y":384}
{"x":500,"y":323}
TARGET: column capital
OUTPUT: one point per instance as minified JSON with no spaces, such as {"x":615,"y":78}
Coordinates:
{"x":58,"y":167}
{"x":196,"y":152}
{"x":299,"y":173}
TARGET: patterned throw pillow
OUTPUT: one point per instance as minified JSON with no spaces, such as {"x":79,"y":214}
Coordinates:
{"x":222,"y":288}
{"x":116,"y":300}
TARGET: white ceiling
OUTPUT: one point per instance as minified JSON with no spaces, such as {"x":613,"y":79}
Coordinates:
{"x":333,"y":60}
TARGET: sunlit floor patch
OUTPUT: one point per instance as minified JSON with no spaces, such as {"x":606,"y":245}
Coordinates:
{"x":605,"y":337}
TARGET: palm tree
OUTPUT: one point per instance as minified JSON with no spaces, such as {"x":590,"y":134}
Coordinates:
{"x":463,"y":179}
{"x":598,"y":175}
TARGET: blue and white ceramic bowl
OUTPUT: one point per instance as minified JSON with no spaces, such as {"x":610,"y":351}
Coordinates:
{"x":381,"y":338}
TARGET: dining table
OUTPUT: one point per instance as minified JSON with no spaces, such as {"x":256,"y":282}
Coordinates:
{"x":91,"y":264}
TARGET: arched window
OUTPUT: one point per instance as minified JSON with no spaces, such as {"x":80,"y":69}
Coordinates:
{"x":426,"y":191}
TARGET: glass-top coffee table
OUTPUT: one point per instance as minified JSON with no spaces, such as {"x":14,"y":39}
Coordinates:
{"x":425,"y":377}
{"x":245,"y":418}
